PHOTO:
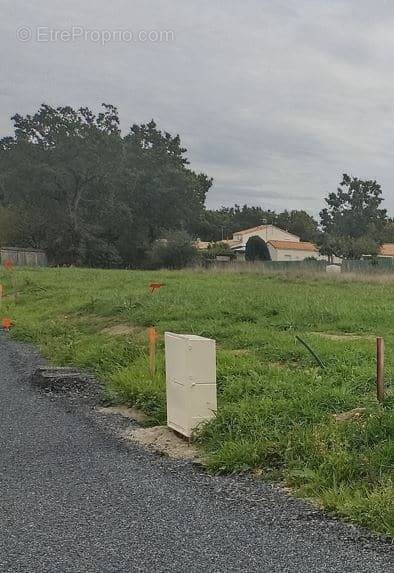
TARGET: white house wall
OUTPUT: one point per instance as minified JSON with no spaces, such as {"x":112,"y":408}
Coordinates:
{"x":268,"y":234}
{"x":290,"y":254}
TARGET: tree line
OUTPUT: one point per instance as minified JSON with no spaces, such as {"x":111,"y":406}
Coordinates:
{"x":353,"y":222}
{"x":73,"y":185}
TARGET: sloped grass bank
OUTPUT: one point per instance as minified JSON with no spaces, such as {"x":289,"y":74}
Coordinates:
{"x":276,"y":406}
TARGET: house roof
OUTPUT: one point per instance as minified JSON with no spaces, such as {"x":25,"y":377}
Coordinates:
{"x":387,"y":250}
{"x":230,"y":242}
{"x":263,"y":228}
{"x":293,"y":246}
{"x":202,"y":245}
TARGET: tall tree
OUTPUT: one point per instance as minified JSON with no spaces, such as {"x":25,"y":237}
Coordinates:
{"x":87,"y":195}
{"x":160,"y":190}
{"x":388,"y":232}
{"x":299,"y":223}
{"x":222,"y":223}
{"x":355,"y":209}
{"x":56,"y":170}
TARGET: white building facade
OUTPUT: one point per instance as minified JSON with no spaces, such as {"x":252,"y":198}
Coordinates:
{"x":292,"y":251}
{"x":282,"y":245}
{"x":266,"y":232}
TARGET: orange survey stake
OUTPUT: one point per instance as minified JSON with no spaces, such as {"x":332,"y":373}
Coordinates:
{"x":152,"y":338}
{"x":154,"y":286}
{"x":152,"y":335}
{"x":6,"y":323}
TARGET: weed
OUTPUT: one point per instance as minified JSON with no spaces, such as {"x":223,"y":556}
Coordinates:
{"x":276,"y":405}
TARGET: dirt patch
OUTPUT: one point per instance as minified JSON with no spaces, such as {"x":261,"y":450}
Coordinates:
{"x":240,"y":352}
{"x":277,"y":365}
{"x":354,"y":414}
{"x":121,"y":330}
{"x":347,"y":336}
{"x":130,"y":413}
{"x":164,"y":441}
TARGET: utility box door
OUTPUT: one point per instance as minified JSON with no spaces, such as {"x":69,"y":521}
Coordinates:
{"x":190,"y":381}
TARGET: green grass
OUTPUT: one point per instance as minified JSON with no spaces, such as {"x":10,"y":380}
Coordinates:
{"x":276,"y":405}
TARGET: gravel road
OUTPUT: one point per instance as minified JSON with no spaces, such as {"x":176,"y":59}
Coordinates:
{"x":74,"y":498}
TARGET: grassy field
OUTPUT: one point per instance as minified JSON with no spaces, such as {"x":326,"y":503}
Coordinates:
{"x":276,"y":405}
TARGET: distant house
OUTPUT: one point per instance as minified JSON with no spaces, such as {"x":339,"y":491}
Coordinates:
{"x":282,"y":245}
{"x":387,"y":251}
{"x":292,"y":250}
{"x":202,"y":245}
{"x":266,"y":232}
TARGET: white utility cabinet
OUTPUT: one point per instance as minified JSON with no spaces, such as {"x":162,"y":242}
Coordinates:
{"x":190,"y":381}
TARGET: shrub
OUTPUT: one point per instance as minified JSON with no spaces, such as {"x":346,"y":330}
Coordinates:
{"x":216,"y":250}
{"x":257,"y":249}
{"x":174,"y":251}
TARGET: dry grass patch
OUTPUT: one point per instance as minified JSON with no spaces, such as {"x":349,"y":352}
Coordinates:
{"x":345,"y":336}
{"x":130,"y":413}
{"x":122,"y":330}
{"x":164,"y":441}
{"x":239,"y":352}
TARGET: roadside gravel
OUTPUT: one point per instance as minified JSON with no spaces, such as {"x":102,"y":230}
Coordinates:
{"x":76,"y":498}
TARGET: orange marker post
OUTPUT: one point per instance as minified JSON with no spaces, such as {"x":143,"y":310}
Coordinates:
{"x":6,"y":324}
{"x":152,"y":338}
{"x":155,"y":286}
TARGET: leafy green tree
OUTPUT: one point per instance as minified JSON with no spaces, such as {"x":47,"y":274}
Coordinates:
{"x":216,"y":250}
{"x":331,"y":246}
{"x":247,"y":217}
{"x":355,"y":210}
{"x":174,"y":251}
{"x":216,"y":225}
{"x":356,"y":248}
{"x":89,"y":196}
{"x":257,"y":249}
{"x":9,"y":229}
{"x":388,"y":232}
{"x":56,"y":170}
{"x":159,"y":189}
{"x":222,"y":223}
{"x":348,"y":247}
{"x":213,"y":225}
{"x":299,"y":223}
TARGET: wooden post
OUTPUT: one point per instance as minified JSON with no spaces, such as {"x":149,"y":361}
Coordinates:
{"x":380,"y":369}
{"x":14,"y":287}
{"x":152,"y":338}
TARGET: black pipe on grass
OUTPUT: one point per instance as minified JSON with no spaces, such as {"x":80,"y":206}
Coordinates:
{"x":310,"y":349}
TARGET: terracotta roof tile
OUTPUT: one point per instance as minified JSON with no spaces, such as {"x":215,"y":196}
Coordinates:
{"x":293,"y":246}
{"x":387,"y":250}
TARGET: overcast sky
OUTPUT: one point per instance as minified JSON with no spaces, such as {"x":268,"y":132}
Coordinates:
{"x":273,"y":99}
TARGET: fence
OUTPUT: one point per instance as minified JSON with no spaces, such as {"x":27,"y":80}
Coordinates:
{"x":348,"y":266}
{"x":312,"y":265}
{"x":368,"y":266}
{"x":23,"y":257}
